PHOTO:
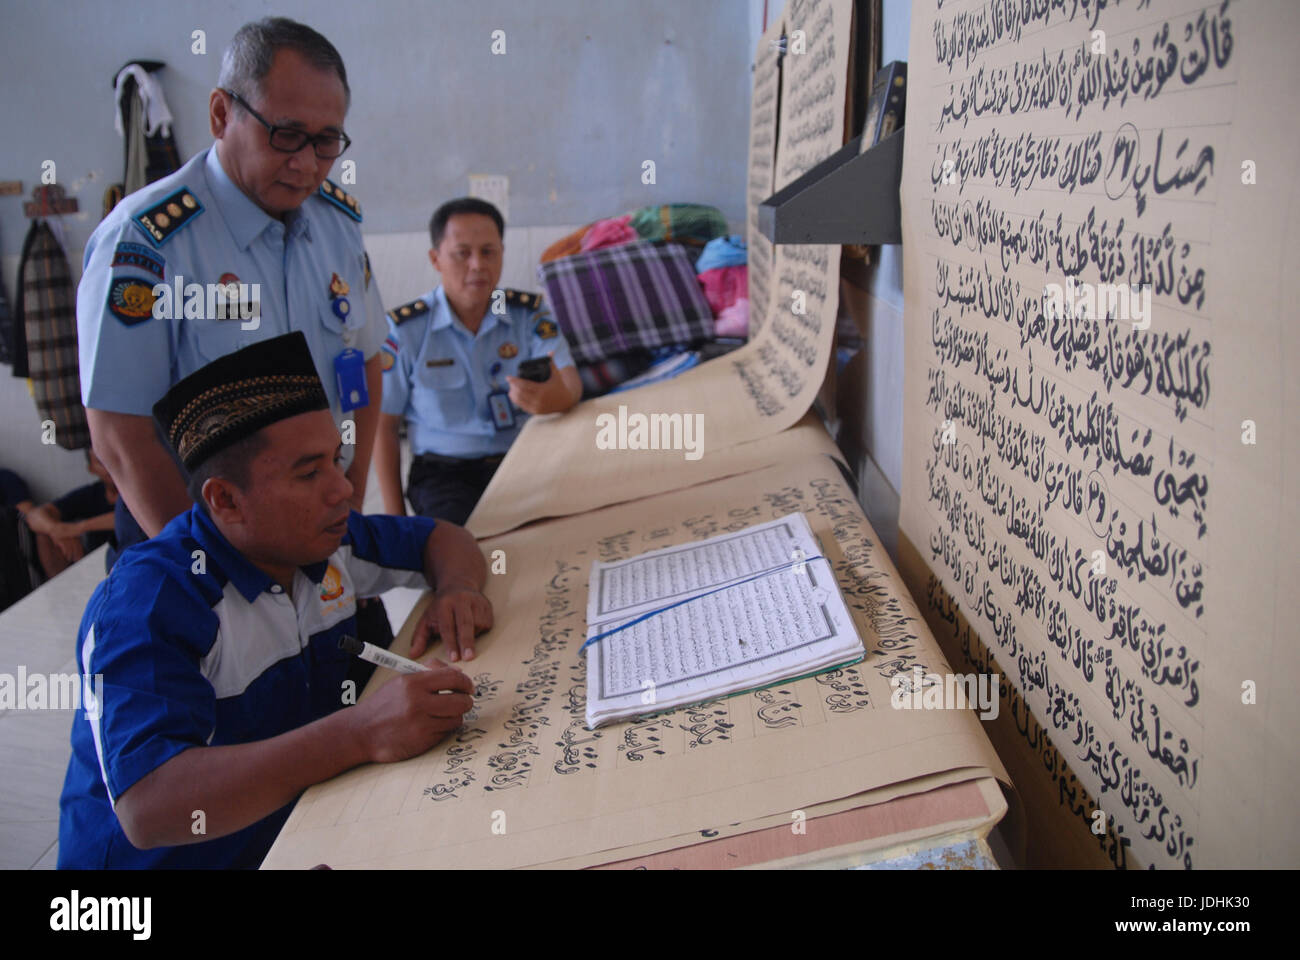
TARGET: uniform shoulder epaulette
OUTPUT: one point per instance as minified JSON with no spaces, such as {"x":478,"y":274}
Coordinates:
{"x":408,"y":310}
{"x":332,"y":192}
{"x":161,"y":221}
{"x":530,"y":300}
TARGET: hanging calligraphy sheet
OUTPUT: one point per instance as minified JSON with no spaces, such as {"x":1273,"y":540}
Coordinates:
{"x":565,"y":464}
{"x":763,"y":108}
{"x":1100,"y":227}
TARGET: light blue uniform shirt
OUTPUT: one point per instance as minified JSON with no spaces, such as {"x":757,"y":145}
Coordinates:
{"x":209,"y":230}
{"x":438,"y":375}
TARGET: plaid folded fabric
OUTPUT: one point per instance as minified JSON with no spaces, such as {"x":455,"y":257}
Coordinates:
{"x":637,"y":295}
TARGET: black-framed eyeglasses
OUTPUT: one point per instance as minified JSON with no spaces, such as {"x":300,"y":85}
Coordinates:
{"x":291,"y":140}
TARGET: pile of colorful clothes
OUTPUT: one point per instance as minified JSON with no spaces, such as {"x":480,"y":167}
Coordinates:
{"x":634,"y":291}
{"x":724,"y":274}
{"x":692,"y":225}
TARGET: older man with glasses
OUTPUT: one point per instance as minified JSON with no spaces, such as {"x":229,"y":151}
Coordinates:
{"x":247,"y":241}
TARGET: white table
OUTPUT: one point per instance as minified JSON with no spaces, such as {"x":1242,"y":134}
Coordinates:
{"x":39,"y":632}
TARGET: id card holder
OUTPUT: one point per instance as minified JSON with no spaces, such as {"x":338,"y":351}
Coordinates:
{"x":350,"y":377}
{"x":503,"y":414}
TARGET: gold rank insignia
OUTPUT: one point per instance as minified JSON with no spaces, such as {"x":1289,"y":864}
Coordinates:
{"x":161,"y":221}
{"x":408,"y":310}
{"x":529,"y":300}
{"x":344,"y":201}
{"x":545,"y":329}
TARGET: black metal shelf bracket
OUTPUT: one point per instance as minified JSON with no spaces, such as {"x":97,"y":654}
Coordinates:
{"x":849,"y":197}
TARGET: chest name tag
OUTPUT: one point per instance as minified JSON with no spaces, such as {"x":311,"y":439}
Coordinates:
{"x":350,"y":376}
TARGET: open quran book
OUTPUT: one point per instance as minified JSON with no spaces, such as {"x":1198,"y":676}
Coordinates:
{"x":698,"y":621}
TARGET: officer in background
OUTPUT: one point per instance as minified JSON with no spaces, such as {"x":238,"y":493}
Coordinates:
{"x":249,"y":240}
{"x":450,"y":369}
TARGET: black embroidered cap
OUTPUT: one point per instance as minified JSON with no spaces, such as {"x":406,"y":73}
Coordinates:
{"x":235,"y":396}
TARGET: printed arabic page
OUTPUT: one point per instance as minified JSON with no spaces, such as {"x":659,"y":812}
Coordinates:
{"x":628,"y":588}
{"x":721,"y":616}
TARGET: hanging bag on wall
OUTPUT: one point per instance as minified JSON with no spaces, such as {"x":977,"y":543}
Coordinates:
{"x":50,"y":323}
{"x":6,"y":326}
{"x":142,"y":117}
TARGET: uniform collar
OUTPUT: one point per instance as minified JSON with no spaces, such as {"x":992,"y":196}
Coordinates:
{"x":246,"y":219}
{"x":443,"y":315}
{"x":298,"y":223}
{"x":250,"y":581}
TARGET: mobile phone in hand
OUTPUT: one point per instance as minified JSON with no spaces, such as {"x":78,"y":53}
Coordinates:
{"x":538,"y":369}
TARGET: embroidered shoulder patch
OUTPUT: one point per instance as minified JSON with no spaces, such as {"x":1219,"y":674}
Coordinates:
{"x":344,"y":201}
{"x":545,"y":329}
{"x":388,"y":354}
{"x":137,"y":255}
{"x":130,"y":300}
{"x":161,"y":221}
{"x":408,"y":310}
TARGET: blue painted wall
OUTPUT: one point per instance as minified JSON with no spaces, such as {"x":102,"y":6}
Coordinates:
{"x":586,"y":91}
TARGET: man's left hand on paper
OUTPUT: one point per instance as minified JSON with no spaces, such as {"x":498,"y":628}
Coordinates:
{"x":457,"y":614}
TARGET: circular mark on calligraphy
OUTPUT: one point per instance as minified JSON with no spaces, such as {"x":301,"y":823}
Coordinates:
{"x":1121,"y":160}
{"x":1098,"y":505}
{"x":970,"y":222}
